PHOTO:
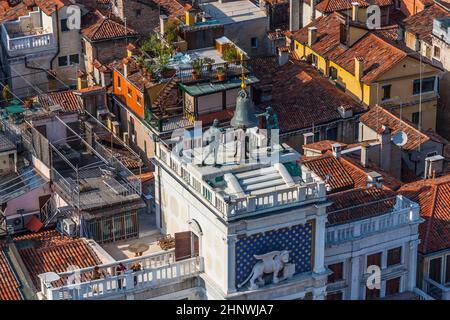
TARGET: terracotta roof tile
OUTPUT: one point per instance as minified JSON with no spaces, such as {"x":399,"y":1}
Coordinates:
{"x":421,"y":23}
{"x":377,"y":117}
{"x":377,"y":48}
{"x":48,"y":251}
{"x":328,"y":6}
{"x":100,"y":27}
{"x":66,"y":99}
{"x":8,"y":12}
{"x":299,"y":94}
{"x":346,"y":172}
{"x":359,"y":203}
{"x":433,"y":196}
{"x":9,"y":286}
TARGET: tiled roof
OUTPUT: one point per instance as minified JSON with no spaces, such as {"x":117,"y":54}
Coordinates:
{"x":377,"y":117}
{"x":99,"y":27}
{"x":9,"y":286}
{"x":328,"y":6}
{"x":377,"y":49}
{"x":48,"y":251}
{"x":422,"y":22}
{"x":299,"y":94}
{"x":66,"y":99}
{"x":433,"y":196}
{"x":359,"y":203}
{"x":135,"y":76}
{"x":8,"y":12}
{"x":172,"y":8}
{"x":323,"y":145}
{"x":346,"y":172}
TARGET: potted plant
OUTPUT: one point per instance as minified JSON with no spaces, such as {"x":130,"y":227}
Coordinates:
{"x":197,"y":65}
{"x":208,"y":62}
{"x":168,"y":72}
{"x":221,"y":73}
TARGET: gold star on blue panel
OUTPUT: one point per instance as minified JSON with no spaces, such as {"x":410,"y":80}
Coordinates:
{"x":297,"y":239}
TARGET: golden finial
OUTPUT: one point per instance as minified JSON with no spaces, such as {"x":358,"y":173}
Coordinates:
{"x":243,"y":78}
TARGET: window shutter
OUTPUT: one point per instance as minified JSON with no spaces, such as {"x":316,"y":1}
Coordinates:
{"x":183,"y":245}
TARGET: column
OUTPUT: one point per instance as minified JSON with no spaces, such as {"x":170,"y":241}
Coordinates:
{"x":355,"y":278}
{"x":230,"y":265}
{"x":158,"y":199}
{"x":412,"y":265}
{"x":319,"y":250}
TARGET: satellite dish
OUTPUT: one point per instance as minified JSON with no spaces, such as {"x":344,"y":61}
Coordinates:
{"x":400,"y":139}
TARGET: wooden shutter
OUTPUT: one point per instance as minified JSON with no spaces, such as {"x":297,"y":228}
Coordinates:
{"x":183,"y":245}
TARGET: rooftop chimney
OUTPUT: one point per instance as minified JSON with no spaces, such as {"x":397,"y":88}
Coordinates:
{"x":385,"y":149}
{"x":365,"y":154}
{"x":81,"y":80}
{"x":130,"y":50}
{"x":163,"y":19}
{"x":283,"y":55}
{"x":374,"y":179}
{"x":125,"y":67}
{"x":355,"y":7}
{"x":312,"y":36}
{"x":433,"y":166}
{"x":294,"y":15}
{"x":308,"y":138}
{"x":336,"y":149}
{"x":359,"y":68}
{"x":190,"y":17}
{"x":313,"y":10}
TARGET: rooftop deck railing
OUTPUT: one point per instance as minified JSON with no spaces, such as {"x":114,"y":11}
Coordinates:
{"x":436,"y":290}
{"x":210,"y":72}
{"x":230,"y":209}
{"x":385,"y":214}
{"x":156,"y":269}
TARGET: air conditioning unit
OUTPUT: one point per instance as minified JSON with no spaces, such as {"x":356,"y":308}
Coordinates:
{"x":68,"y":227}
{"x":18,"y":221}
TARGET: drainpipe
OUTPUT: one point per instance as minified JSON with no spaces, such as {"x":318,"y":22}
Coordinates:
{"x":57,"y":36}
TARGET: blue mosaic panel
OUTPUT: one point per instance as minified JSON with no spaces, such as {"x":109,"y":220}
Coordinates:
{"x":297,"y":239}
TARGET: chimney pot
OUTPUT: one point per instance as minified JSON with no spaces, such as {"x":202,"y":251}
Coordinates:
{"x":355,"y":8}
{"x":359,"y":68}
{"x":312,"y":35}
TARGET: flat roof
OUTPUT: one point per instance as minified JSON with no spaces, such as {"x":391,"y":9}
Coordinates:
{"x":233,"y":11}
{"x":203,"y":88}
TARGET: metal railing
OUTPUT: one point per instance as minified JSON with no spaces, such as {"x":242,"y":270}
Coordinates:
{"x":436,"y":290}
{"x":156,"y":269}
{"x":210,"y":72}
{"x":366,"y":219}
{"x":249,"y":204}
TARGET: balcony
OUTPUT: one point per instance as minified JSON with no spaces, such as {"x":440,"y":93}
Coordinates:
{"x":27,"y":35}
{"x":401,"y":213}
{"x":436,"y":290}
{"x":156,"y":270}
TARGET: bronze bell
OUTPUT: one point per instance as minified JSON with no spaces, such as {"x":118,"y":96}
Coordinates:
{"x":244,"y":115}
